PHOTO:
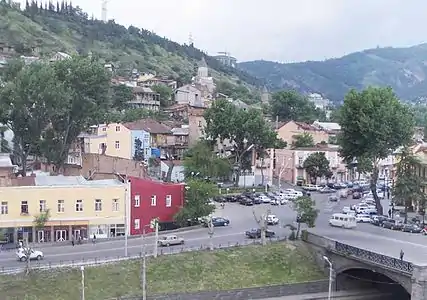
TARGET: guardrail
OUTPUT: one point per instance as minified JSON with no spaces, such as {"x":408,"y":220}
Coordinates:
{"x":42,"y":265}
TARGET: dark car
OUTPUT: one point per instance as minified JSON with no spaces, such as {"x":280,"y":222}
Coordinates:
{"x":255,"y":233}
{"x":393,"y":224}
{"x":357,"y":195}
{"x":256,"y":200}
{"x":412,"y":228}
{"x":246,"y":201}
{"x":333,"y":198}
{"x":217,"y":222}
{"x":378,"y":220}
{"x":219,"y":199}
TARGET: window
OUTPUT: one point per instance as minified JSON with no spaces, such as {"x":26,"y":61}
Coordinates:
{"x":98,"y":205}
{"x":4,"y":208}
{"x":137,"y":200}
{"x":117,"y":128}
{"x":168,"y":200}
{"x":61,"y":205}
{"x":200,"y":123}
{"x":101,"y":146}
{"x":24,"y":207}
{"x":300,"y":161}
{"x":153,"y":200}
{"x":79,"y":205}
{"x":136,"y":224}
{"x":104,"y":128}
{"x":115,"y":204}
{"x":42,"y":205}
{"x":117,"y":144}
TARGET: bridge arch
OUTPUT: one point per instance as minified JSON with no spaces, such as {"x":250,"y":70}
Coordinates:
{"x":359,"y":277}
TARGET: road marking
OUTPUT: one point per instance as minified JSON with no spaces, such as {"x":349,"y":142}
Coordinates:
{"x":130,"y":247}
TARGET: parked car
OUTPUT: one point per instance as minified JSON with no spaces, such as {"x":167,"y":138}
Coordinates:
{"x":255,"y":233}
{"x":361,"y":218}
{"x":23,"y":254}
{"x":326,"y":190}
{"x":357,"y":195}
{"x":393,"y":224}
{"x":170,"y":240}
{"x":272,"y":220}
{"x":333,"y":198}
{"x":378,"y":220}
{"x":218,"y":221}
{"x":412,"y":228}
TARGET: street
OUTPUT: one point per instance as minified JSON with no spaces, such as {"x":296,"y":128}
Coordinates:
{"x":242,"y":218}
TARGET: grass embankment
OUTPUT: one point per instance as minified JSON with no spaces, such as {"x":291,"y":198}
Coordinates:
{"x":188,"y":272}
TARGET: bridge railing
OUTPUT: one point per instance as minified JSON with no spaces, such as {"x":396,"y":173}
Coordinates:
{"x":380,"y":259}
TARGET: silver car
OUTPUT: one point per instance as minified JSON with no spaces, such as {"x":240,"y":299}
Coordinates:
{"x":170,"y":240}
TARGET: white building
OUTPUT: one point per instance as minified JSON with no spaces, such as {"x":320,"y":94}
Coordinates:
{"x":318,"y":101}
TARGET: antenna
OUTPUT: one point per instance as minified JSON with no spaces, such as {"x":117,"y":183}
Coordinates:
{"x":104,"y":10}
{"x":190,"y":39}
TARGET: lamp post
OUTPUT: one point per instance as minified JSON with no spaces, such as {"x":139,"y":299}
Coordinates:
{"x":325,"y":258}
{"x":125,"y":207}
{"x":82,"y":269}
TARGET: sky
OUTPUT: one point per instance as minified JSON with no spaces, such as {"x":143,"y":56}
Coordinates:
{"x":276,"y":30}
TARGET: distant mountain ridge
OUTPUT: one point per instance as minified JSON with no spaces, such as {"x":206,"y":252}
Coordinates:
{"x":404,"y":69}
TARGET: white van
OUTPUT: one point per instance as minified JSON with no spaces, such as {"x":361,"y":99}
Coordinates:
{"x":343,"y":221}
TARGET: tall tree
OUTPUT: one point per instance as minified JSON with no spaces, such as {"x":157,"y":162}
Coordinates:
{"x":303,"y":140}
{"x":83,"y":103}
{"x":196,"y":204}
{"x":28,"y":95}
{"x":121,"y":95}
{"x":306,"y":212}
{"x":200,"y":159}
{"x":317,"y":165}
{"x":408,"y":186}
{"x":290,"y":105}
{"x":244,"y":128}
{"x":165,"y":93}
{"x":373,"y":124}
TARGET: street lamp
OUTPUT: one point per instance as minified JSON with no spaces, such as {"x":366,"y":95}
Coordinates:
{"x":82,"y":269}
{"x":125,"y":207}
{"x":325,"y":258}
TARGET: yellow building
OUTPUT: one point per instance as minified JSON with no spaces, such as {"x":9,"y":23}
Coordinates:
{"x":77,"y":208}
{"x":111,"y":139}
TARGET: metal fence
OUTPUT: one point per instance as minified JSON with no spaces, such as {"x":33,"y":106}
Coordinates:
{"x":46,"y":265}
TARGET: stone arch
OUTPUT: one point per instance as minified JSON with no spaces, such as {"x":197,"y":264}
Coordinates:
{"x":397,"y":278}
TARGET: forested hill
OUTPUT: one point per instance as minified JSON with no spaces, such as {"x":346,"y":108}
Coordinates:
{"x":61,"y":27}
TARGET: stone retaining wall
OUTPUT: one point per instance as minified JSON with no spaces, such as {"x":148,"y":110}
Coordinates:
{"x":249,"y":293}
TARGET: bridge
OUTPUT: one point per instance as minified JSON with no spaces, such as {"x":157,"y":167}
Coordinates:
{"x":355,"y":267}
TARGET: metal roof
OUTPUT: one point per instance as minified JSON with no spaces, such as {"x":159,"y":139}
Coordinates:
{"x":61,"y":180}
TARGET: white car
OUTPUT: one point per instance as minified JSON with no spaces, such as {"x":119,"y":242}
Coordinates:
{"x":284,"y":201}
{"x":346,"y":209}
{"x":272,"y":220}
{"x":264,"y":199}
{"x":23,"y":253}
{"x":363,"y":218}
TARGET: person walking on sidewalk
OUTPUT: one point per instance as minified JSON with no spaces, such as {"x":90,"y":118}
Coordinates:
{"x":401,"y":254}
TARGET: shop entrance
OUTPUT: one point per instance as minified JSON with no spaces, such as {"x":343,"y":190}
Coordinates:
{"x":40,"y":236}
{"x":61,"y":235}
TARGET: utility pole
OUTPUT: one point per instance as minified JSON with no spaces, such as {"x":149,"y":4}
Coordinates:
{"x":210,"y":233}
{"x":155,"y":224}
{"x":127,"y":192}
{"x":82,"y":269}
{"x":144,"y":268}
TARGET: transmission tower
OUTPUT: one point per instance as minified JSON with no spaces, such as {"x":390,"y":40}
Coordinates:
{"x":104,"y":10}
{"x":190,"y":39}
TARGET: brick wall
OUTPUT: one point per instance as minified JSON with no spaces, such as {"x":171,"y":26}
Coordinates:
{"x":249,"y":293}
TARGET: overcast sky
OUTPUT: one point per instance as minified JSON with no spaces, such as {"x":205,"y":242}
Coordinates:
{"x":278,"y":30}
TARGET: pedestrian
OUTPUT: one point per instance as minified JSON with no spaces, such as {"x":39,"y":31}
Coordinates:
{"x":72,"y":241}
{"x":389,"y":213}
{"x":94,"y":238}
{"x":401,"y":255}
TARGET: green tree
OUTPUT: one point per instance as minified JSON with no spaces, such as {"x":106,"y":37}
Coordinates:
{"x":303,"y":140}
{"x":316,"y":165}
{"x":4,"y":144}
{"x":364,"y":166}
{"x":28,"y":96}
{"x":197,"y":195}
{"x":244,"y":127}
{"x":121,"y":95}
{"x":41,"y":219}
{"x":165,"y":93}
{"x":306,"y":212}
{"x":84,"y":102}
{"x":407,"y":189}
{"x":290,"y":105}
{"x":373,"y":124}
{"x":200,"y":159}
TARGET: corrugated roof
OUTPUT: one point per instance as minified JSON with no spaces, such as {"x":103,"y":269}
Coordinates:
{"x":61,"y":180}
{"x":180,"y":131}
{"x":5,"y":161}
{"x":149,"y":125}
{"x":143,"y":89}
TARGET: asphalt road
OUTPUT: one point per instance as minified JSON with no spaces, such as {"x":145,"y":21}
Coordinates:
{"x":241,"y":217}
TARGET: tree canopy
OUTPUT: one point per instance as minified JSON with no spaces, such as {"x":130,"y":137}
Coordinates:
{"x":247,"y":129}
{"x":165,"y":93}
{"x":373,"y":124}
{"x":317,"y":165}
{"x":197,"y":195}
{"x":290,"y":105}
{"x":303,"y":140}
{"x":201,"y":159}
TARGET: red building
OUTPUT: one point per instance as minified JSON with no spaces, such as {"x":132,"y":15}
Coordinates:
{"x":150,"y":199}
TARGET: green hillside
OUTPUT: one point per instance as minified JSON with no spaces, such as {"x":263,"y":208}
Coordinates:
{"x":404,"y":69}
{"x":61,"y":27}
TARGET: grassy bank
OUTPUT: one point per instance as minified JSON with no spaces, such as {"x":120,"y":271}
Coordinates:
{"x":221,"y":270}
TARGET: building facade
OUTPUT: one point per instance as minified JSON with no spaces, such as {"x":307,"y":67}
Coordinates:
{"x":153,"y":200}
{"x":145,"y":97}
{"x":289,"y":130}
{"x":196,"y":124}
{"x":77,"y":208}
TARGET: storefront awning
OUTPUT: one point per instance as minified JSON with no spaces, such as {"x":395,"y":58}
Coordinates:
{"x":67,"y":223}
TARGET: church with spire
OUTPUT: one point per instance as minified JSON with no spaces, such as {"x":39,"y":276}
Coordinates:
{"x":202,"y":78}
